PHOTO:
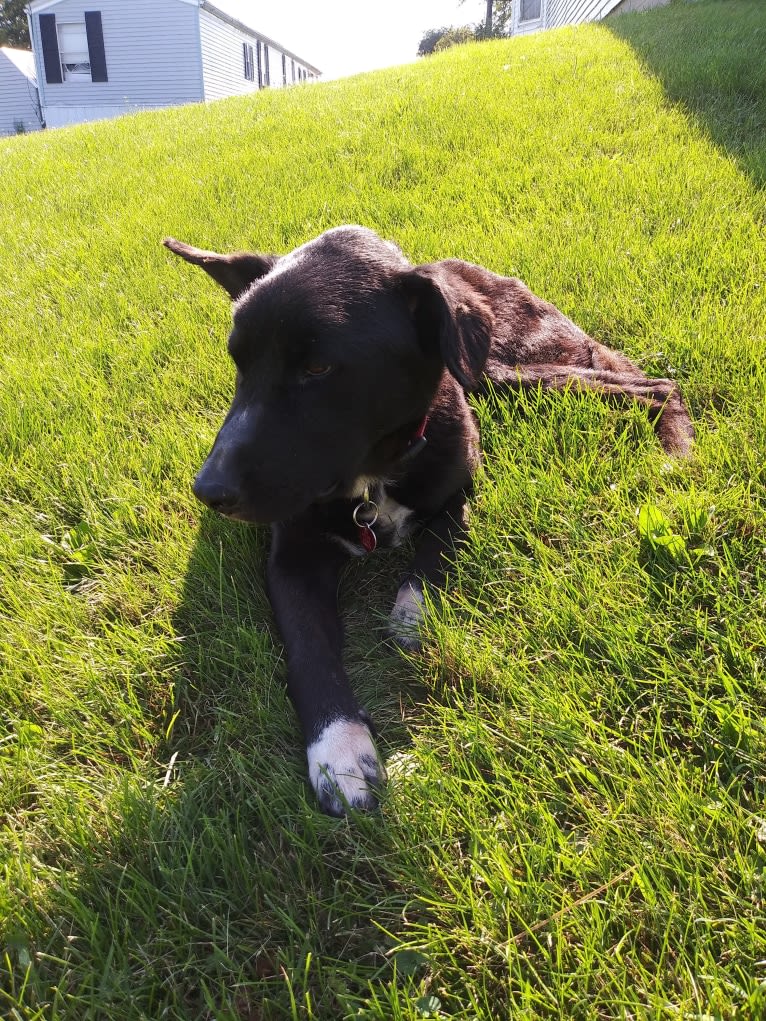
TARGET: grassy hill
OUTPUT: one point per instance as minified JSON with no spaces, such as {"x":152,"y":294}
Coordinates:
{"x":574,"y":826}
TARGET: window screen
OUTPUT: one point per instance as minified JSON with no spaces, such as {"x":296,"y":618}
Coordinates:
{"x":530,"y":10}
{"x":73,"y":48}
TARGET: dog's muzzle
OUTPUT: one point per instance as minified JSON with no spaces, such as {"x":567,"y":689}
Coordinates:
{"x":214,"y":493}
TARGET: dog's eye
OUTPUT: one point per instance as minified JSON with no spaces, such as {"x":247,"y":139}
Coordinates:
{"x":314,"y":371}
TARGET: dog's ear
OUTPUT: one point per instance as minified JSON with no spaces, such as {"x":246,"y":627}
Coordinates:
{"x":233,"y":272}
{"x":452,"y":317}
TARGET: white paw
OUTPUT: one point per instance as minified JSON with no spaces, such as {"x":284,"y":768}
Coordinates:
{"x":344,"y":767}
{"x":407,"y":616}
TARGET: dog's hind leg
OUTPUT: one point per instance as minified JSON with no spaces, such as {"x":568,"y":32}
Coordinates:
{"x":661,"y":397}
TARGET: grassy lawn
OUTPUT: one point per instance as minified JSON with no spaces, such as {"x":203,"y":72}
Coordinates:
{"x":575,"y":826}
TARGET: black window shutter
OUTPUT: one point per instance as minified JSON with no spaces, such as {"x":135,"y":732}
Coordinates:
{"x":95,"y":35}
{"x":50,"y":44}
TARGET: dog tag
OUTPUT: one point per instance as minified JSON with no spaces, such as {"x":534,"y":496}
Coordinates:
{"x":367,"y":538}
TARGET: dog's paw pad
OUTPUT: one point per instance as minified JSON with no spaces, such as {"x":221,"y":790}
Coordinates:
{"x":407,"y":617}
{"x":344,"y":768}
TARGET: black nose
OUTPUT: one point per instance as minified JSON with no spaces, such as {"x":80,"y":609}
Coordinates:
{"x":215,"y":493}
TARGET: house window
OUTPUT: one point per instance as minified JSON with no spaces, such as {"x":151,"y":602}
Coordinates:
{"x":530,"y":10}
{"x":260,"y":64}
{"x":73,"y":52}
{"x":284,"y":69}
{"x":247,"y":56}
{"x":266,"y":71}
{"x":293,"y":64}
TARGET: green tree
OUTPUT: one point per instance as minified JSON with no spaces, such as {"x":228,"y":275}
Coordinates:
{"x":14,"y":29}
{"x":437,"y":39}
{"x":430,"y":39}
{"x":454,"y":37}
{"x":496,"y":23}
{"x":496,"y":19}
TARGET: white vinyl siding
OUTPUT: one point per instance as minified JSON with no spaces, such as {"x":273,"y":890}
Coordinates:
{"x":156,"y":53}
{"x":152,"y":57}
{"x":555,"y":13}
{"x":224,"y":67}
{"x":274,"y":59}
{"x":223,"y":70}
{"x":574,"y":12}
{"x":18,"y":93}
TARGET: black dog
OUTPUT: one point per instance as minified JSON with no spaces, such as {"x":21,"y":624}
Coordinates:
{"x":350,"y":429}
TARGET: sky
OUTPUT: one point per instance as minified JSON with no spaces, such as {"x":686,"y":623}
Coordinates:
{"x":343,"y":37}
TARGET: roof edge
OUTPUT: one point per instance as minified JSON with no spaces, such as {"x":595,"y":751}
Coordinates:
{"x":242,"y":27}
{"x":22,"y":60}
{"x":37,"y":6}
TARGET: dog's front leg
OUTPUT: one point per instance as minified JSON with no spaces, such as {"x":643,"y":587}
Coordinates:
{"x":343,"y":763}
{"x":433,"y":552}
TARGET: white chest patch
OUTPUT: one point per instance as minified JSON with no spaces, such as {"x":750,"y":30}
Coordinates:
{"x":394,"y":517}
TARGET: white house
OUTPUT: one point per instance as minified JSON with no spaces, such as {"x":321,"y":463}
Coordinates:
{"x":19,"y":108}
{"x":103,"y":58}
{"x":534,"y":15}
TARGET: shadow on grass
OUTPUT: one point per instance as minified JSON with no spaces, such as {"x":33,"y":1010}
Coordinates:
{"x":232,"y":677}
{"x":219,"y":889}
{"x":710,"y":57}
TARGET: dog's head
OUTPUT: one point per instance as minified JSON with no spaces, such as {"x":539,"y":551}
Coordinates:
{"x":339,"y":349}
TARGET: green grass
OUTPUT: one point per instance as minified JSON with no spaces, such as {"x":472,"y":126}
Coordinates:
{"x":574,"y":826}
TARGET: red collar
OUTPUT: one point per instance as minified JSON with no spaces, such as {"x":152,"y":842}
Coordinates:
{"x":416,"y":443}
